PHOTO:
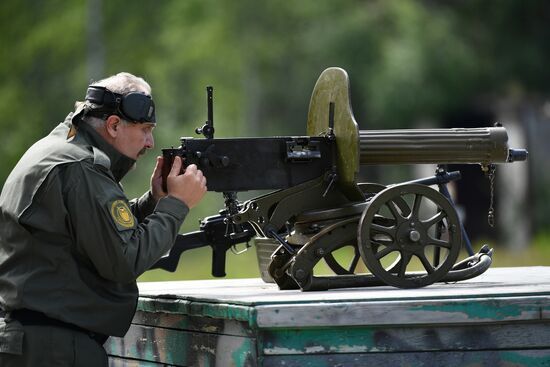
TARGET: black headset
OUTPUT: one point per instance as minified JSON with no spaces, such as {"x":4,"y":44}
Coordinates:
{"x":133,"y":107}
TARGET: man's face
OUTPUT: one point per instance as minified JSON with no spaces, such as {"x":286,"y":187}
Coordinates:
{"x":133,"y":139}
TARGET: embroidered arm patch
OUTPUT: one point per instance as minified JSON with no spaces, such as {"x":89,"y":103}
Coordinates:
{"x":122,"y":216}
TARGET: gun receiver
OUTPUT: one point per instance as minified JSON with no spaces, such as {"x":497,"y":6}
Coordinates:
{"x":243,"y":164}
{"x":319,"y":207}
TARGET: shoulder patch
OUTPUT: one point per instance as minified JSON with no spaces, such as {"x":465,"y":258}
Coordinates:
{"x":101,"y":158}
{"x":122,"y":215}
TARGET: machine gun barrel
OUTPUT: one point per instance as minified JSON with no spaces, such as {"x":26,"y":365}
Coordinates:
{"x":458,"y":145}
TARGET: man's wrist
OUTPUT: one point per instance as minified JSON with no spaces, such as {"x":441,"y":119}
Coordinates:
{"x":156,"y":197}
{"x":173,"y":206}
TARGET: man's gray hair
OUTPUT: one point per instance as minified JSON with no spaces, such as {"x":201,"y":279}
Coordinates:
{"x":122,"y":83}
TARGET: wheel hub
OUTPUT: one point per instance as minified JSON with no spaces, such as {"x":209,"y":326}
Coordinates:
{"x":411,"y":237}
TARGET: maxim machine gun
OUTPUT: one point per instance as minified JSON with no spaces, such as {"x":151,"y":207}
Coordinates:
{"x":406,"y":235}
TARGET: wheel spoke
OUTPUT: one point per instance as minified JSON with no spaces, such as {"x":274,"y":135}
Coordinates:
{"x":416,"y":206}
{"x":383,"y":221}
{"x":380,"y":254}
{"x":383,"y":241}
{"x":437,"y":256}
{"x":429,"y":268}
{"x":377,"y":228}
{"x":376,"y":243}
{"x":436,"y":218}
{"x":439,"y":243}
{"x":394,"y":267}
{"x":439,"y":230}
{"x":393,"y":209}
{"x":405,"y":259}
{"x":403,"y":206}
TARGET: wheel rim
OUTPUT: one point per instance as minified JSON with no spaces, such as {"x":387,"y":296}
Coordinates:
{"x":387,"y":246}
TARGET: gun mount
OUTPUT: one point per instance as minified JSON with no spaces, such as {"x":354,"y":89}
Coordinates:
{"x":405,"y":235}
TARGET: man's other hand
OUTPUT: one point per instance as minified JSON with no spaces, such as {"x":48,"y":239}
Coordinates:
{"x":156,"y":180}
{"x":189,"y":186}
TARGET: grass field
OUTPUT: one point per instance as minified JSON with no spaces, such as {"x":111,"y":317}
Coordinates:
{"x":196,"y":264}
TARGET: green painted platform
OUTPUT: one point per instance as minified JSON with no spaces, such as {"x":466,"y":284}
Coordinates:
{"x":501,"y":318}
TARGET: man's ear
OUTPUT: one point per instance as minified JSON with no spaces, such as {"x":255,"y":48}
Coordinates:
{"x":112,"y":125}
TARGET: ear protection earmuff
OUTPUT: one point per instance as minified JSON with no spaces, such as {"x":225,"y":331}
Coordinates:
{"x":133,"y":107}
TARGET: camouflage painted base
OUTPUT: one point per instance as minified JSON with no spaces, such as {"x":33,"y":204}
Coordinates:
{"x":499,"y":318}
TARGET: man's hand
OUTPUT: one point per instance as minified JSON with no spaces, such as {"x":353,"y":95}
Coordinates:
{"x":188,"y":187}
{"x":156,"y":181}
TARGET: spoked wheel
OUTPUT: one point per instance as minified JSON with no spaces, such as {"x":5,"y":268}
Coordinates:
{"x":351,"y":264}
{"x":402,"y":228}
{"x":314,"y":221}
{"x":348,"y":265}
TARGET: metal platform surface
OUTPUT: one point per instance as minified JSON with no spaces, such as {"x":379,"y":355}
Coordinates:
{"x":500,"y":317}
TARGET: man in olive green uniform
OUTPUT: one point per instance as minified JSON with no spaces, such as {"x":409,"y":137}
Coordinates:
{"x":71,"y":244}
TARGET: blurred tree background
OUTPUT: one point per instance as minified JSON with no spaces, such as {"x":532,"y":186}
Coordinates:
{"x":411,"y":63}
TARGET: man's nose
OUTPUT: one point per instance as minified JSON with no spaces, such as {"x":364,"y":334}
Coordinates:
{"x":150,"y":142}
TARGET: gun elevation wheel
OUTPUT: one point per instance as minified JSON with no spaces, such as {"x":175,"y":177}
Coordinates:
{"x":403,"y":227}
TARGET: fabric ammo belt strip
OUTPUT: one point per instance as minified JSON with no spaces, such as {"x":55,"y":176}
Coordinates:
{"x":30,"y":317}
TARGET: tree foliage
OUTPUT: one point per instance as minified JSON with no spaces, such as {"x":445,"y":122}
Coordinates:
{"x":407,"y":60}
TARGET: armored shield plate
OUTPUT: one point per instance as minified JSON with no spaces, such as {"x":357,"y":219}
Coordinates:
{"x":333,"y":86}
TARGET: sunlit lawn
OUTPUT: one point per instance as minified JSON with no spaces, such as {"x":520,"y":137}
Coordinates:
{"x":196,"y":264}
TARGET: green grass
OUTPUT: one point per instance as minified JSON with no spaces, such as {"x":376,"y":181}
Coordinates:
{"x":196,"y":264}
{"x":537,"y":254}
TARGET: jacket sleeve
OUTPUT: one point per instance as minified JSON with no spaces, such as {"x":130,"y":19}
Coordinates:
{"x":143,"y":206}
{"x":106,"y":232}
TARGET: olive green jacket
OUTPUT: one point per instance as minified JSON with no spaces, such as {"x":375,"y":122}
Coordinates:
{"x":71,"y":244}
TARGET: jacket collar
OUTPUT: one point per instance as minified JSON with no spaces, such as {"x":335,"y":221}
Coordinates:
{"x":120,"y":164}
